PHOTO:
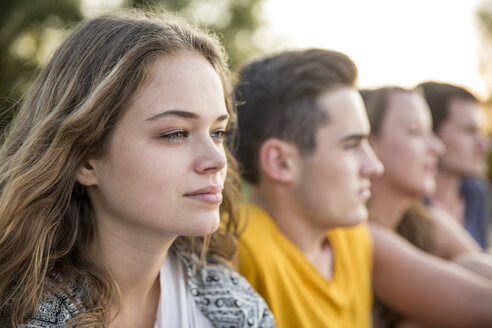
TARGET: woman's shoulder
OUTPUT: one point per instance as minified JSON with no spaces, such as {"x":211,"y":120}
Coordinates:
{"x":225,"y":297}
{"x":55,"y":308}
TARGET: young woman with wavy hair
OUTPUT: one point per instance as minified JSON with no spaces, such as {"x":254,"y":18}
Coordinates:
{"x":112,"y":173}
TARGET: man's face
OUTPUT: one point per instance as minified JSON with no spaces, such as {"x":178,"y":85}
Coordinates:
{"x":463,"y":135}
{"x":334,"y":181}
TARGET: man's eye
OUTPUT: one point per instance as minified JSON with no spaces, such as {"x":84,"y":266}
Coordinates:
{"x":417,"y":131}
{"x":352,"y":145}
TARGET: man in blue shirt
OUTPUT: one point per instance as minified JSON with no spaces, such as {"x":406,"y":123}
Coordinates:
{"x":461,"y":190}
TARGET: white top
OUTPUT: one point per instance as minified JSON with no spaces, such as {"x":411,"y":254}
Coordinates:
{"x":177,"y":308}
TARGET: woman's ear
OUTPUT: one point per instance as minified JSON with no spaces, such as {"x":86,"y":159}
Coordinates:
{"x":86,"y":174}
{"x":278,"y":160}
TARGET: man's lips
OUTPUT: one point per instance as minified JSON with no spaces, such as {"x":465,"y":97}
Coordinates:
{"x":211,"y":194}
{"x":431,"y":167}
{"x":365,"y":192}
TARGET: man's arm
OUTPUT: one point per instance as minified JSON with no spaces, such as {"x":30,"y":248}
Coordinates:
{"x":425,"y":288}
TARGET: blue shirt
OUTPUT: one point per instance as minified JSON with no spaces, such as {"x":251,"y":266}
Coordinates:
{"x":476,"y":196}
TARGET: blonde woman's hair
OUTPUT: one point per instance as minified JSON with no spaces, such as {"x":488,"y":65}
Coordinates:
{"x":415,"y":224}
{"x":46,"y":220}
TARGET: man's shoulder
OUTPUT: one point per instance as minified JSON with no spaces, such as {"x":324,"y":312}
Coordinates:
{"x":259,"y":233}
{"x":359,"y":234}
{"x":257,"y":226}
{"x":473,"y":186}
{"x":255,"y":219}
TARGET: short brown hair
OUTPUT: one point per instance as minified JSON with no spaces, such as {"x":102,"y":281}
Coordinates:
{"x":439,"y":96}
{"x":278,"y":96}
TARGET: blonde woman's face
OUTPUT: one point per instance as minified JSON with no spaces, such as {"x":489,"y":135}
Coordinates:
{"x":165,"y":166}
{"x":406,"y":145}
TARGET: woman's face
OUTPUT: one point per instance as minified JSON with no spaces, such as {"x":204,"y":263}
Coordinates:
{"x":165,"y":164}
{"x":406,"y":145}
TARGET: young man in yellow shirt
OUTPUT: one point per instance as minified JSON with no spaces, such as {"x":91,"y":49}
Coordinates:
{"x":306,"y":247}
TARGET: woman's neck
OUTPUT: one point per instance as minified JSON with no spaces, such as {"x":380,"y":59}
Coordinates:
{"x":448,"y":194}
{"x":387,"y":204}
{"x":133,"y":258}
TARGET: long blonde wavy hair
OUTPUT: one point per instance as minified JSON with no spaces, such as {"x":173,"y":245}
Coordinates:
{"x":46,"y":221}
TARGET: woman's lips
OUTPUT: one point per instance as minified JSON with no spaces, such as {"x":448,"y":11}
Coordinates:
{"x":210,"y":195}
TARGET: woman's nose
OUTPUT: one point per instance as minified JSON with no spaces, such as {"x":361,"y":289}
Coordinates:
{"x":210,"y":158}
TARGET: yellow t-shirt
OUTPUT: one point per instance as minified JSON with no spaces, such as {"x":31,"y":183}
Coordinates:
{"x":298,"y":295}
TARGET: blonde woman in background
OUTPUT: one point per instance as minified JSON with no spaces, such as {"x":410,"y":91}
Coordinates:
{"x":402,"y":138}
{"x":111,"y":174}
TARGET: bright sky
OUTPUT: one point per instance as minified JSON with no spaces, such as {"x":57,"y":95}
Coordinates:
{"x":391,"y":41}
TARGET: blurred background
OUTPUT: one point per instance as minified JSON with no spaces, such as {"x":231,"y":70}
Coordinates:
{"x":392,"y":42}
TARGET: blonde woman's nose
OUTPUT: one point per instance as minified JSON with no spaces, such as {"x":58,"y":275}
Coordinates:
{"x":437,"y":145}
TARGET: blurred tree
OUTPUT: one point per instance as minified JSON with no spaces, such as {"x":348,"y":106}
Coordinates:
{"x":27,"y":31}
{"x":485,"y":24}
{"x":31,"y":29}
{"x":234,"y":21}
{"x":484,"y":15}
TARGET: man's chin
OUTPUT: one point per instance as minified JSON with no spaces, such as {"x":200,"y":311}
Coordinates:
{"x":357,"y":218}
{"x":478,"y":172}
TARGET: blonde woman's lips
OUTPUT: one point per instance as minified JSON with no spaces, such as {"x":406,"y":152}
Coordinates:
{"x":365,"y":193}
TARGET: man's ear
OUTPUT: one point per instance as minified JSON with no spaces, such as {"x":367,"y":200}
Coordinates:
{"x":86,"y":174}
{"x":278,"y":160}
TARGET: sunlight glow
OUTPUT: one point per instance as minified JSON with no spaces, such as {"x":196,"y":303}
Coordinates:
{"x":91,"y":8}
{"x":391,"y":42}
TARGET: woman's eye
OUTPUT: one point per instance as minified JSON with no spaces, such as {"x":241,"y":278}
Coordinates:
{"x":415,"y":131}
{"x":219,"y":134}
{"x":175,"y":135}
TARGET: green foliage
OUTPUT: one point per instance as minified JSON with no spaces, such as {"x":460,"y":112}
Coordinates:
{"x":484,"y":16}
{"x":27,"y":26}
{"x":234,"y":21}
{"x":31,"y":29}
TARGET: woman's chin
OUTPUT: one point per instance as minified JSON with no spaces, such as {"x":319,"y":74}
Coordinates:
{"x":205,"y":226}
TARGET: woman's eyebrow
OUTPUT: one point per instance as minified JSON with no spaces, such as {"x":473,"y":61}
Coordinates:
{"x":223,"y":117}
{"x":183,"y":114}
{"x":175,"y":112}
